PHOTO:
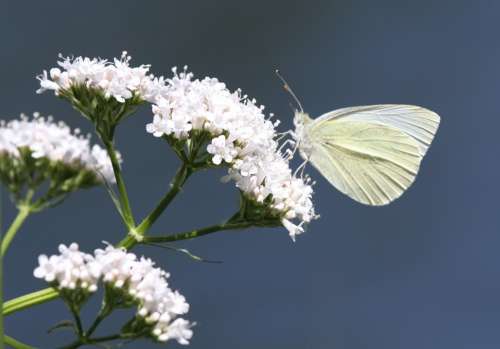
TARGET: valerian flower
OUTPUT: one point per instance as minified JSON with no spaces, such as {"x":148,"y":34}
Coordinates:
{"x":70,"y":269}
{"x":36,"y":150}
{"x":103,"y":91}
{"x":241,"y":138}
{"x":115,"y":79}
{"x":159,"y":307}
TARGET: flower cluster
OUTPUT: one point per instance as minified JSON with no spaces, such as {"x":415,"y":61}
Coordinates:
{"x":115,"y":79}
{"x":158,"y":305}
{"x":55,"y":142}
{"x":241,"y":138}
{"x":70,"y":269}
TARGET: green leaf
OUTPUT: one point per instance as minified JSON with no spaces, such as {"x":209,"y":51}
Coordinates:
{"x":63,"y":325}
{"x":183,"y":251}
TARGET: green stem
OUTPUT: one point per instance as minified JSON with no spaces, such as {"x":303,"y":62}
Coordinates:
{"x":103,"y":313}
{"x":22,"y":214}
{"x":76,"y":344}
{"x":209,"y":230}
{"x":125,"y":204}
{"x":78,"y":321}
{"x":30,"y":299}
{"x":109,"y":338}
{"x":79,"y":342}
{"x":180,"y":178}
{"x":15,"y":343}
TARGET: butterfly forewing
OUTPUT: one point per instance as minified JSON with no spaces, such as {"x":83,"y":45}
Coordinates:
{"x":417,"y":122}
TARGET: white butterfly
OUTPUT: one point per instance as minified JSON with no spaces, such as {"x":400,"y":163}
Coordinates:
{"x":370,"y":153}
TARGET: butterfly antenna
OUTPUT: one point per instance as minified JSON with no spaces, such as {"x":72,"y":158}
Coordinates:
{"x":288,"y":89}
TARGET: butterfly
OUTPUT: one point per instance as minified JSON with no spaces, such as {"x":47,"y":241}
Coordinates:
{"x":370,"y":153}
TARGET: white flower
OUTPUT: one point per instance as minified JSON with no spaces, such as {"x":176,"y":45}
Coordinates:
{"x":70,"y":269}
{"x":159,"y":305}
{"x":115,"y":265}
{"x":56,"y":142}
{"x":115,"y":79}
{"x":222,"y":149}
{"x":102,"y":163}
{"x":293,"y":229}
{"x":47,"y":268}
{"x":242,"y":137}
{"x":180,"y":330}
{"x":176,"y":123}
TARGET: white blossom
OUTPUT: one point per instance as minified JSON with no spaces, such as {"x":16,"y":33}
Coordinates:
{"x":115,"y":79}
{"x":55,"y":141}
{"x":159,"y":305}
{"x":294,"y":229}
{"x":180,"y":330}
{"x":242,"y":137}
{"x":70,"y":269}
{"x":222,"y":149}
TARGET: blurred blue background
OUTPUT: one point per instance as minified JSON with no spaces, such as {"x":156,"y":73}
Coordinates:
{"x":423,"y":272}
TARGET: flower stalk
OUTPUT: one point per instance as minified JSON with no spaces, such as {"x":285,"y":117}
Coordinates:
{"x":29,"y":300}
{"x":180,"y":178}
{"x":94,"y":341}
{"x":124,"y":200}
{"x":24,"y":210}
{"x":14,"y":343}
{"x":192,"y":234}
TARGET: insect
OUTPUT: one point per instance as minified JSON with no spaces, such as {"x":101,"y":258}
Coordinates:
{"x":370,"y":153}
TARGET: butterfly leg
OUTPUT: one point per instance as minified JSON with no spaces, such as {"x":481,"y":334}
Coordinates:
{"x":282,"y":135}
{"x":301,"y":169}
{"x":285,"y":143}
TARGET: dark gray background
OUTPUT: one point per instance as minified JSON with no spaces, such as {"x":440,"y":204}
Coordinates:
{"x":423,"y":272}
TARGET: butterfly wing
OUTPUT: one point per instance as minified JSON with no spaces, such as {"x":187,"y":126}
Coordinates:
{"x":366,"y":158}
{"x":417,"y":122}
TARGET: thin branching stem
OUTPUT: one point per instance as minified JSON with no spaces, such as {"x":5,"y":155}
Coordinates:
{"x":24,"y":210}
{"x":120,"y":182}
{"x":83,"y":341}
{"x":110,"y":338}
{"x":180,"y":178}
{"x":14,"y":343}
{"x":104,"y":312}
{"x":192,"y":234}
{"x":78,"y":321}
{"x":29,"y":300}
{"x":178,"y":182}
{"x":74,"y":345}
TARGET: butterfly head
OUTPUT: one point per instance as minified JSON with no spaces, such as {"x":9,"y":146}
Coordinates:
{"x":300,"y":122}
{"x":300,"y":119}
